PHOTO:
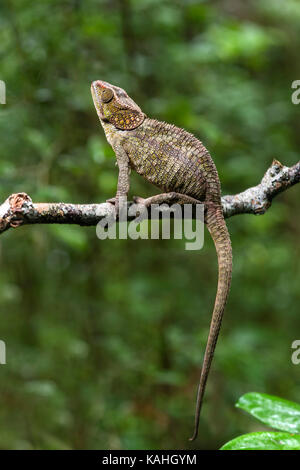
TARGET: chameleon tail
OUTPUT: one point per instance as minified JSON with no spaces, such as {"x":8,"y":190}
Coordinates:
{"x":219,"y":233}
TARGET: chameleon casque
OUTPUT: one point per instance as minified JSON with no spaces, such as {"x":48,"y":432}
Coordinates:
{"x":180,"y":165}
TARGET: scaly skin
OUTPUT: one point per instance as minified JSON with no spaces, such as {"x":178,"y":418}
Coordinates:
{"x":178,"y":163}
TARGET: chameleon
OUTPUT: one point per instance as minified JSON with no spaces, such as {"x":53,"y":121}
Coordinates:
{"x":177,"y":162}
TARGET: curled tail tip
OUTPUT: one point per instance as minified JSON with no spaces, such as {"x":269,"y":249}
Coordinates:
{"x":194,"y":436}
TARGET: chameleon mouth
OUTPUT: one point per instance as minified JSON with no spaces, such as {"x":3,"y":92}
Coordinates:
{"x":95,"y":86}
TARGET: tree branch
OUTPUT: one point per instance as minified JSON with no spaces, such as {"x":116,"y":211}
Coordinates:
{"x":18,"y":209}
{"x":258,"y":199}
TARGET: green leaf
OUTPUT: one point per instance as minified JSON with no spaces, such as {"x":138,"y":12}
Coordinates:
{"x":273,"y":411}
{"x":264,"y":441}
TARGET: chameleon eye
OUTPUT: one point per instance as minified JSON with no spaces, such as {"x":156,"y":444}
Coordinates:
{"x":107,"y":95}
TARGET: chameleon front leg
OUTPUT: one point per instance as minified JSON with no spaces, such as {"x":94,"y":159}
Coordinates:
{"x":170,"y":198}
{"x":123,"y":178}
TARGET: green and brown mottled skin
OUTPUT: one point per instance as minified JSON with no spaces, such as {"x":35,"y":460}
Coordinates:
{"x":178,"y":163}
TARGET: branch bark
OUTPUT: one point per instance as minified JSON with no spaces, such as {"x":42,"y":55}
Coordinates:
{"x":18,"y":209}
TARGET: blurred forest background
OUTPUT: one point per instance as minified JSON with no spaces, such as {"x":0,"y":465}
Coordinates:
{"x":105,"y":338}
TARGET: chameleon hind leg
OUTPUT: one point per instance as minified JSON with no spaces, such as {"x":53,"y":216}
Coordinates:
{"x":167,"y":198}
{"x":171,"y":198}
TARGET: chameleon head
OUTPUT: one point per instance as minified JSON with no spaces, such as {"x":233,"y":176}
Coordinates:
{"x":115,"y":106}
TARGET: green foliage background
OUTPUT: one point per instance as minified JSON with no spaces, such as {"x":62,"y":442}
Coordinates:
{"x":105,"y":339}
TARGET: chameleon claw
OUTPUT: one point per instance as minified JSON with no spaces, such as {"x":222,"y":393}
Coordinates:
{"x":138,"y":200}
{"x":112,"y":200}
